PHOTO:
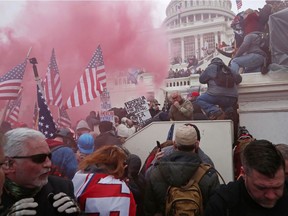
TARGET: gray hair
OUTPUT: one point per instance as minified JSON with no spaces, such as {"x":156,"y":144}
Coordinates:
{"x":16,"y":139}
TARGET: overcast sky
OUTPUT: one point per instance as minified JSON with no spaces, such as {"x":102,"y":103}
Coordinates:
{"x":8,"y":12}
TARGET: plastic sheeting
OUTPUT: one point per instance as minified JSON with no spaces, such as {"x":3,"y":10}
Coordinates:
{"x":278,"y":27}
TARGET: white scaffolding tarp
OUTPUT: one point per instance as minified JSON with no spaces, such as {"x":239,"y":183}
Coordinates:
{"x":278,"y":27}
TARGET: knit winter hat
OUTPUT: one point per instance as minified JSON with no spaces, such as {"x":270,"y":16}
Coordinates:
{"x":185,"y":135}
{"x":82,"y":124}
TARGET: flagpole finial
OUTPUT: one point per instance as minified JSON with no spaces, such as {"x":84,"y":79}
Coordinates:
{"x":33,"y":61}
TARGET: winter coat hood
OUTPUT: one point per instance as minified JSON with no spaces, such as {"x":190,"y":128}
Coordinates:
{"x":179,"y":167}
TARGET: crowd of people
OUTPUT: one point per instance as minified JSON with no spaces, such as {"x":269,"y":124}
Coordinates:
{"x":109,"y":178}
{"x":88,"y":171}
{"x":192,"y":68}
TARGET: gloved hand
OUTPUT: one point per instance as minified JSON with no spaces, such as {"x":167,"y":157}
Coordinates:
{"x":23,"y":207}
{"x":63,"y":203}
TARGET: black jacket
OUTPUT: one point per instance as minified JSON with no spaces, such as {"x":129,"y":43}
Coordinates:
{"x":106,"y":138}
{"x":233,"y":200}
{"x":55,"y":185}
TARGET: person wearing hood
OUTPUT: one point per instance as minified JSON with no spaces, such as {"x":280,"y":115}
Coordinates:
{"x":218,"y":102}
{"x":63,"y":148}
{"x":176,"y":169}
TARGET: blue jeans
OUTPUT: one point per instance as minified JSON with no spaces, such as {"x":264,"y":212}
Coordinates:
{"x":251,"y":60}
{"x":209,"y":103}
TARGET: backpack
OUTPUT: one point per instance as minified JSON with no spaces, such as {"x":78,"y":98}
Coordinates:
{"x":186,"y":200}
{"x":264,"y":41}
{"x":224,"y":76}
{"x":265,"y":46}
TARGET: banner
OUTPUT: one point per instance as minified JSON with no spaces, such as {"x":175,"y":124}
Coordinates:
{"x":107,"y":116}
{"x":138,"y":109}
{"x":105,"y":100}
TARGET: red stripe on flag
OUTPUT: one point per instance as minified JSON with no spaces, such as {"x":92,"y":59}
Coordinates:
{"x":87,"y":87}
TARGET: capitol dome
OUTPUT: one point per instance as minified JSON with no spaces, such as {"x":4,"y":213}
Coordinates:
{"x":196,"y":27}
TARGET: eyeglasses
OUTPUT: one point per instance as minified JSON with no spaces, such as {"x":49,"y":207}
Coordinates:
{"x":38,"y":158}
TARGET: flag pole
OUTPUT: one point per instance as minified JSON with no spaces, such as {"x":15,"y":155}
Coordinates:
{"x":33,"y":61}
{"x":4,"y":113}
{"x":29,"y":51}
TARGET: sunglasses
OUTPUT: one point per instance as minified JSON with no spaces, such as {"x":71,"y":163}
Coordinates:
{"x":3,"y":163}
{"x":38,"y":158}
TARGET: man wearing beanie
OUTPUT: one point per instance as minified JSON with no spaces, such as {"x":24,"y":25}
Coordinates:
{"x":176,"y":169}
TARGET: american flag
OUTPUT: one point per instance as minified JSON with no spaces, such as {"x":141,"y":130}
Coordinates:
{"x":91,"y":83}
{"x":10,"y":83}
{"x":170,"y":132}
{"x":63,"y":120}
{"x":239,"y":4}
{"x":46,"y":123}
{"x":52,"y":83}
{"x":13,"y":110}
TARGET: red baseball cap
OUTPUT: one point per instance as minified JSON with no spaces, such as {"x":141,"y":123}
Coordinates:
{"x":194,"y":94}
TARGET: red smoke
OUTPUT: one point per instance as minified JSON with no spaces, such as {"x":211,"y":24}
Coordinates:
{"x":124,"y":29}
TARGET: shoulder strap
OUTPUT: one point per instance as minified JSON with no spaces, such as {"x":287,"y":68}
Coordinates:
{"x":202,"y":169}
{"x":200,"y":172}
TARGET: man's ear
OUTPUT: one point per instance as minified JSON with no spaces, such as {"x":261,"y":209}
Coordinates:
{"x":174,"y":144}
{"x":197,"y":145}
{"x":242,"y":173}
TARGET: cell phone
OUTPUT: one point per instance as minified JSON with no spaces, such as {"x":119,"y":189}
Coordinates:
{"x":158,"y":145}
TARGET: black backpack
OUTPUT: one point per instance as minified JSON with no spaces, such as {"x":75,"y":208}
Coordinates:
{"x":265,"y":46}
{"x":264,"y":41}
{"x":224,"y":76}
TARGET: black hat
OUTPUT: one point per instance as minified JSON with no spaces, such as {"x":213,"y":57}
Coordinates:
{"x":65,"y":133}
